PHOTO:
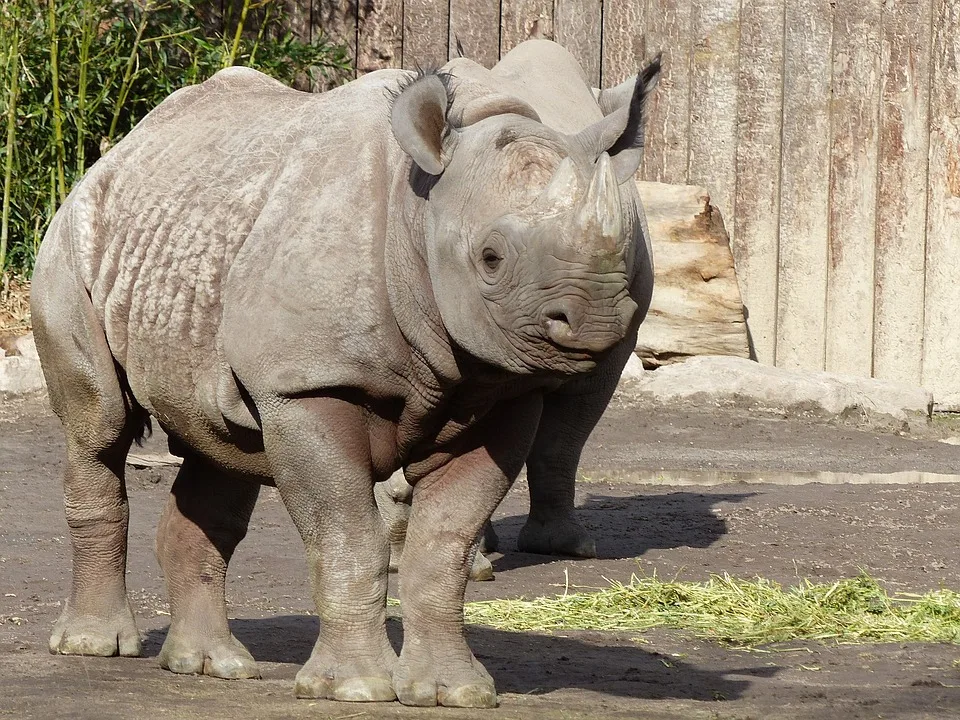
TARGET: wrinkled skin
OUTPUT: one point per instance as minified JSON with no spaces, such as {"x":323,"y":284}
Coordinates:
{"x":314,"y":291}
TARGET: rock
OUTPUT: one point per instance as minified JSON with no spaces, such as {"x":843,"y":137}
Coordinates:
{"x":20,"y":372}
{"x":26,"y":347}
{"x":718,"y":380}
{"x":696,"y":307}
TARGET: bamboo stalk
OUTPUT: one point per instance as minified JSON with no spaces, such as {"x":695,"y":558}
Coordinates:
{"x":127,"y":81}
{"x":14,"y":90}
{"x":57,"y":113}
{"x":235,"y":47}
{"x":87,"y":32}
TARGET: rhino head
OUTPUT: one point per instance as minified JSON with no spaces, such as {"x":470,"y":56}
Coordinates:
{"x":530,"y":234}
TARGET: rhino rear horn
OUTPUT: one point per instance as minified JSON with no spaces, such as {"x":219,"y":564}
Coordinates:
{"x":621,"y":132}
{"x":419,"y":122}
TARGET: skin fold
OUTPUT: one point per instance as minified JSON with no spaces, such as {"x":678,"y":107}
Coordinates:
{"x":441,"y":274}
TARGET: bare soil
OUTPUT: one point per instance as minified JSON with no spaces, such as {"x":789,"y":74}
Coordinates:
{"x":903,"y":534}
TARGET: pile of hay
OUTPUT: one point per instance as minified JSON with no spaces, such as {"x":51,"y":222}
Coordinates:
{"x":739,"y":612}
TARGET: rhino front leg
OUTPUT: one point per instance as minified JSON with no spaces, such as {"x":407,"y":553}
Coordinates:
{"x":569,"y":416}
{"x":450,"y":506}
{"x":319,"y":450}
{"x":205,"y":518}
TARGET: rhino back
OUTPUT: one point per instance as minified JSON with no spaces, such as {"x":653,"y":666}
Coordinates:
{"x":161,"y":224}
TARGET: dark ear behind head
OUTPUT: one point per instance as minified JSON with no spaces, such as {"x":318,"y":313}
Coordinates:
{"x":419,"y":121}
{"x":621,"y":132}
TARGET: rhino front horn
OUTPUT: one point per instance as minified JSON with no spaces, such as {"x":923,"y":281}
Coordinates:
{"x":600,"y":212}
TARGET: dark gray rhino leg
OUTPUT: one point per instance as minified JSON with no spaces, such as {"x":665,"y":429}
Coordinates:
{"x":450,"y":506}
{"x":319,"y":450}
{"x":393,"y":500}
{"x":85,"y":392}
{"x":569,"y":416}
{"x":205,"y":518}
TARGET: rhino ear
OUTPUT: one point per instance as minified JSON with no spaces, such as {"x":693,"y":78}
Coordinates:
{"x":620,"y":133}
{"x":419,"y":122}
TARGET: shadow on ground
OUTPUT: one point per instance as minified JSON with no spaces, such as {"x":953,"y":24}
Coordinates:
{"x":627,"y":527}
{"x":522,"y":663}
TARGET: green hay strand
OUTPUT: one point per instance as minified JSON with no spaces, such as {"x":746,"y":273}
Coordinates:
{"x":738,"y":612}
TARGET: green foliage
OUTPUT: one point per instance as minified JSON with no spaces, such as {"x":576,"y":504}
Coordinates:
{"x":79,"y":74}
{"x":739,"y":612}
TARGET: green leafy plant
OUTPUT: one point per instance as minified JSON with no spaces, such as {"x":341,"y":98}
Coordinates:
{"x":79,"y":74}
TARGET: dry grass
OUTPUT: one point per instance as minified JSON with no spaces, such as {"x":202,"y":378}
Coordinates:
{"x":14,"y":306}
{"x":739,"y":612}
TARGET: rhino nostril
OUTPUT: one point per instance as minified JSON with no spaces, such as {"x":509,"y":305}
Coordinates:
{"x":558,"y":316}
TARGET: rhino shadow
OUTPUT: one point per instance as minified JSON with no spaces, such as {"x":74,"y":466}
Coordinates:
{"x":522,"y":663}
{"x":627,"y":527}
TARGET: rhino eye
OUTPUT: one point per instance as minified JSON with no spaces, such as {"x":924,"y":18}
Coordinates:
{"x":491,"y":260}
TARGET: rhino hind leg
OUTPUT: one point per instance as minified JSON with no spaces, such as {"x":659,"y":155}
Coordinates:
{"x":205,"y":518}
{"x":393,"y":500}
{"x":100,"y":421}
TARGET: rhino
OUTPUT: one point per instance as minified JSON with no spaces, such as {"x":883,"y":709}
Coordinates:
{"x":442,"y":272}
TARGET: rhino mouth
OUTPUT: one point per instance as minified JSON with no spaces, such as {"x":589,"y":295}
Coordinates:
{"x":574,"y":329}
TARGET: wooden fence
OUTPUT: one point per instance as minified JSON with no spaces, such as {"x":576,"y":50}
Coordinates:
{"x":827,"y":132}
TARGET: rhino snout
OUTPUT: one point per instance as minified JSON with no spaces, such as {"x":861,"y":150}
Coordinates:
{"x":574,"y":325}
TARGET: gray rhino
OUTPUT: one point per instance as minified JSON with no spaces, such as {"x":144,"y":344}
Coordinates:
{"x":440,"y":272}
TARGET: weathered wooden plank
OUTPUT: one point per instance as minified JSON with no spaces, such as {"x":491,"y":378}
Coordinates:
{"x":624,"y":41}
{"x":853,"y":192}
{"x":902,"y":191}
{"x":804,"y":185}
{"x":426,"y":25}
{"x":714,"y":70}
{"x":578,"y":27}
{"x":941,"y":337}
{"x":476,"y":24}
{"x":666,"y":150}
{"x":379,"y":35}
{"x":335,"y":20}
{"x":756,"y":225}
{"x":524,"y":20}
{"x":295,"y":18}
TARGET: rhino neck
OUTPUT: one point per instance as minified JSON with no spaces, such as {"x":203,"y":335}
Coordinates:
{"x":410,"y":290}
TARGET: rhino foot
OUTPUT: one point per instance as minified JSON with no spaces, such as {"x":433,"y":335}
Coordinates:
{"x":227,"y":659}
{"x":481,"y":569}
{"x":324,"y":677}
{"x":96,"y":635}
{"x":463,"y":684}
{"x":565,"y":536}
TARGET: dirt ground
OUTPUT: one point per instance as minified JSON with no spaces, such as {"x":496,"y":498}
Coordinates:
{"x":903,"y":534}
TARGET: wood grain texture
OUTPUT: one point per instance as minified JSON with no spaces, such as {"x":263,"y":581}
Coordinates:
{"x":336,"y":20}
{"x":902,"y":191}
{"x":714,"y":71}
{"x":379,"y":35}
{"x":804,"y":185}
{"x":941,"y":337}
{"x":577,"y":26}
{"x":666,"y":152}
{"x":696,"y":307}
{"x":426,"y":27}
{"x":522,"y":20}
{"x":476,"y":23}
{"x":624,"y":41}
{"x":756,"y":225}
{"x":853,"y":192}
{"x":296,"y":18}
